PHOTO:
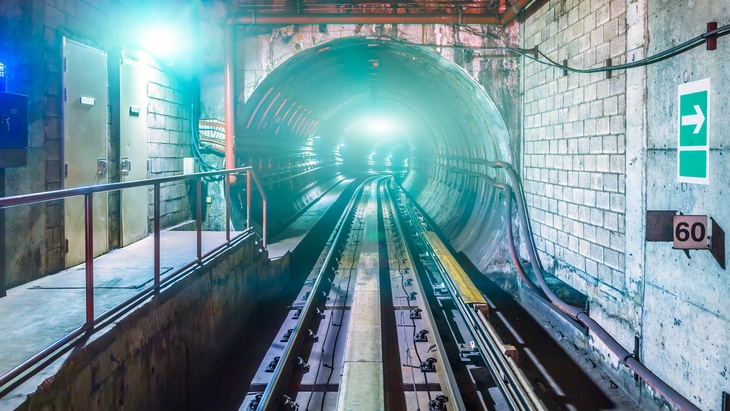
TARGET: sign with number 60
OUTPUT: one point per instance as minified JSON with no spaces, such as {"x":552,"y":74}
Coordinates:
{"x":691,"y":232}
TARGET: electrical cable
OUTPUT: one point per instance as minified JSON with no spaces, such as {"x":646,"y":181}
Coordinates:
{"x":533,"y":54}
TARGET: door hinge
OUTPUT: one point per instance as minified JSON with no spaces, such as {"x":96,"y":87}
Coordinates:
{"x":65,"y":94}
{"x":65,"y":248}
{"x":65,"y":64}
{"x":65,"y":170}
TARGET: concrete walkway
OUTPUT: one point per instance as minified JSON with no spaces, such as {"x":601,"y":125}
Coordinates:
{"x":290,"y":238}
{"x":37,"y":314}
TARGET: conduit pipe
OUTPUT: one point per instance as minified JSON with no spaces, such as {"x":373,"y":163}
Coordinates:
{"x":367,"y":18}
{"x":229,"y":46}
{"x":626,"y":358}
{"x":511,"y":242}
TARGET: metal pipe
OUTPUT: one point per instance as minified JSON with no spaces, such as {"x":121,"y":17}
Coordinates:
{"x":511,"y":243}
{"x":248,"y":199}
{"x":199,"y":217}
{"x":228,"y":209}
{"x":367,"y":18}
{"x":3,"y":257}
{"x":156,"y":224}
{"x":229,"y":90}
{"x":627,"y":358}
{"x":89,"y":237}
{"x":79,"y":191}
{"x":511,"y":13}
{"x":263,"y":227}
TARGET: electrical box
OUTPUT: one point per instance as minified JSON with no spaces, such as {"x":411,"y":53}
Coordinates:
{"x":13,"y":121}
{"x":13,"y":130}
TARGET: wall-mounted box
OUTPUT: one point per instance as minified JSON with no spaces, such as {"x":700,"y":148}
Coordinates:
{"x":13,"y":130}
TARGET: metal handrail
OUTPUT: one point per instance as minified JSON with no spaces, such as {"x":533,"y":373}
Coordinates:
{"x":248,"y":202}
{"x":25,"y":370}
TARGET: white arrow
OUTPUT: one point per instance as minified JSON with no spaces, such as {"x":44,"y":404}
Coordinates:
{"x":696,"y":120}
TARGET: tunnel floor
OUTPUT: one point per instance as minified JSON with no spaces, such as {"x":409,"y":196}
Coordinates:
{"x":565,"y":381}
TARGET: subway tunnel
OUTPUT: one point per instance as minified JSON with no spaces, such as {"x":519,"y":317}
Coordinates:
{"x":278,"y":205}
{"x":354,"y":102}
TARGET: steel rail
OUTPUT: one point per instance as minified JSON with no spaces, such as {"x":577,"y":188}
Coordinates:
{"x":451,"y":387}
{"x":517,"y":391}
{"x":272,"y":395}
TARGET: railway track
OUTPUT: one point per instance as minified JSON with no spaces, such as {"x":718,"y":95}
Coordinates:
{"x":387,"y":319}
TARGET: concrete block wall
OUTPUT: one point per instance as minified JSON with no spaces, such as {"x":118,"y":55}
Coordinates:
{"x":575,"y":142}
{"x":30,"y":47}
{"x":575,"y":160}
{"x":168,"y":123}
{"x":599,"y":153}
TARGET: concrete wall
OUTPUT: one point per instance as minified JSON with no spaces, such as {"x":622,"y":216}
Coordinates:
{"x":152,"y":357}
{"x":598,"y":153}
{"x":685,"y":317}
{"x":30,"y":47}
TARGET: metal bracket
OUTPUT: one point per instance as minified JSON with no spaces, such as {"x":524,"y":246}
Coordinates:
{"x":102,"y":166}
{"x":286,"y":336}
{"x":659,"y":225}
{"x":421,"y":336}
{"x":711,"y":39}
{"x":429,"y":365}
{"x":272,"y":365}
{"x":126,"y":166}
{"x":609,"y":63}
{"x":255,"y":402}
{"x":659,"y":228}
{"x":438,"y":403}
{"x":717,"y":243}
{"x":303,"y":365}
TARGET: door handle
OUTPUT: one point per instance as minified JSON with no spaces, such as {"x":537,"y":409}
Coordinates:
{"x":126,"y":166}
{"x":102,"y":166}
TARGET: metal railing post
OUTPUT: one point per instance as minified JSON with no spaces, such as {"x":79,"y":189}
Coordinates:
{"x":89,"y":237}
{"x":156,"y":224}
{"x":248,"y":199}
{"x":199,"y":216}
{"x":263,"y":228}
{"x":228,"y":209}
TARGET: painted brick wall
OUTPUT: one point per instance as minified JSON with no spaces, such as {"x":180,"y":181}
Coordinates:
{"x":574,"y":141}
{"x":169,"y":141}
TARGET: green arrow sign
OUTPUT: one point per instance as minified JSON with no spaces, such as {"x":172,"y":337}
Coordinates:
{"x":693,"y":149}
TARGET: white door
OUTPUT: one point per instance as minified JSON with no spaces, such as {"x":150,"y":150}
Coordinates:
{"x":133,"y":149}
{"x":85,"y":113}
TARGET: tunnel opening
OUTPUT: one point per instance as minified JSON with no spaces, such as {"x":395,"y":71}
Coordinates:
{"x":363,"y":104}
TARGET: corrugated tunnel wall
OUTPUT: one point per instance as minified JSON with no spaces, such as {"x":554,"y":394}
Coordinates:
{"x":341,"y":106}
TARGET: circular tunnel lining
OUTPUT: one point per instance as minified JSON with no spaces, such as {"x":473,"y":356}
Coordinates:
{"x":337,"y":104}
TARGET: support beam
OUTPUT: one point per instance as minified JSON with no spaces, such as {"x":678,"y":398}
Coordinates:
{"x":513,"y":11}
{"x":229,"y":86}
